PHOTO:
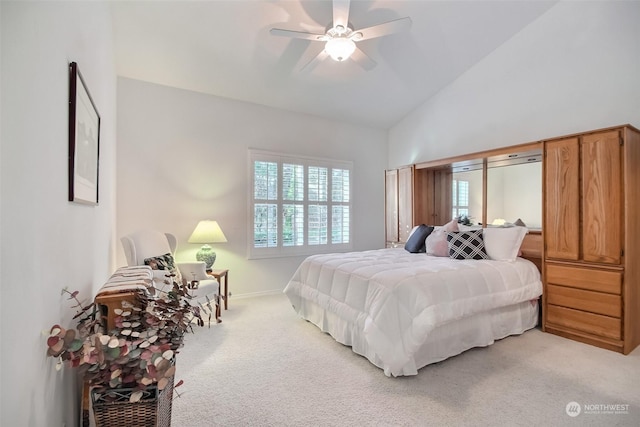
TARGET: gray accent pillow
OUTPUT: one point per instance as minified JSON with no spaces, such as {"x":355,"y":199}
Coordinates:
{"x":415,"y":243}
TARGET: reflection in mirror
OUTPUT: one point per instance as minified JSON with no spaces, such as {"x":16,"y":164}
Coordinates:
{"x":515,"y":191}
{"x":466,"y":192}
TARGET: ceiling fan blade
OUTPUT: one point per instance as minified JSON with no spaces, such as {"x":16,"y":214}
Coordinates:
{"x":341,"y":13}
{"x":296,"y":34}
{"x":380,"y":30}
{"x":315,"y":61}
{"x":363,"y":59}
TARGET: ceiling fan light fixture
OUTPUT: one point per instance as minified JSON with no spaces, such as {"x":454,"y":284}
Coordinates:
{"x":340,"y":40}
{"x":340,"y":48}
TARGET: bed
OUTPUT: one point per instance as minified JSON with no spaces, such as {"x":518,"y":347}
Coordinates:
{"x":405,"y":310}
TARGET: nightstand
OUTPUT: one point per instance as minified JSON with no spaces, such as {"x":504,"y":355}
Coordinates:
{"x":219,"y":275}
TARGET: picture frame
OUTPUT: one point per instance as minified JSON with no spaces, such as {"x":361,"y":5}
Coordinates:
{"x":84,"y":141}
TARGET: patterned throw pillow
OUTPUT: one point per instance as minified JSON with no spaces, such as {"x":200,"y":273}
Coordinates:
{"x":466,"y":245}
{"x":164,"y":262}
{"x":161,"y":262}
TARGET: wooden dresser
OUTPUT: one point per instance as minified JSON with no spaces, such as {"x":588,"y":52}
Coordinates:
{"x":592,"y":237}
{"x":589,"y":246}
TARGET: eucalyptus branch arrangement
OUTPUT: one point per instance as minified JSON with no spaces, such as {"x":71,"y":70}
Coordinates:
{"x":139,"y":352}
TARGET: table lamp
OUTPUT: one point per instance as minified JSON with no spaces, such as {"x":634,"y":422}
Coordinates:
{"x":207,"y":232}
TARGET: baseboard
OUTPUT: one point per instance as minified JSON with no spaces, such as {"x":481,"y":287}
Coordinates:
{"x":255,"y":294}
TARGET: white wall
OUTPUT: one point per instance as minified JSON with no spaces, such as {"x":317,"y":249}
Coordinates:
{"x":48,"y":243}
{"x":183,"y":157}
{"x":574,"y":69}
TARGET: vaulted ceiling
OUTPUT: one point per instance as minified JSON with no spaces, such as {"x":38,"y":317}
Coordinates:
{"x":224,"y":48}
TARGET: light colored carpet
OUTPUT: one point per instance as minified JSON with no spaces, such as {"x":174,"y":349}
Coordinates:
{"x":264,"y":366}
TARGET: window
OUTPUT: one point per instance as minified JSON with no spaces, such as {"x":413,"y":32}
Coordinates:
{"x":299,"y":205}
{"x":460,"y":198}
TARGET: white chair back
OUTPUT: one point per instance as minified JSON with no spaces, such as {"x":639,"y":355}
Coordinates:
{"x":146,"y":244}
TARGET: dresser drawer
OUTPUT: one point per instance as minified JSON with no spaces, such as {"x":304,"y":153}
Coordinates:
{"x":585,"y":278}
{"x":591,"y":323}
{"x":593,"y":302}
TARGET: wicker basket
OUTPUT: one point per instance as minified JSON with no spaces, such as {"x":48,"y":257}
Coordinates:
{"x":113,"y":409}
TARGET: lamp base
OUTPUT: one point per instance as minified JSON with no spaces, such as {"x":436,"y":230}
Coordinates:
{"x":206,"y":255}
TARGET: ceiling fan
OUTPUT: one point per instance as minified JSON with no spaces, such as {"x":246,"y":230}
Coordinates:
{"x":340,"y":39}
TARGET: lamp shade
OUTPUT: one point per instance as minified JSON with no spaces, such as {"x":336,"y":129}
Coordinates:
{"x":207,"y":232}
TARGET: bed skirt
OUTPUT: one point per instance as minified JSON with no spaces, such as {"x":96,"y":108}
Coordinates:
{"x":450,"y":339}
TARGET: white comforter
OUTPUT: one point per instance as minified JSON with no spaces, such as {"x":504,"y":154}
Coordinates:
{"x":391,"y":299}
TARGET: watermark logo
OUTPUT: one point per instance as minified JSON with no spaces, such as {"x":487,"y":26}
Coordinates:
{"x":573,"y":409}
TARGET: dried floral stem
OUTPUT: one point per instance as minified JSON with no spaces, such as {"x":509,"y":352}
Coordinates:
{"x":138,"y":352}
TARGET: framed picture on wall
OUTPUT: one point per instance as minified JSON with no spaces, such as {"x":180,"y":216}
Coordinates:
{"x":84,"y":141}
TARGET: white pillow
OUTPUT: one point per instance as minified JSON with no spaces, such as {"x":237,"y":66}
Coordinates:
{"x":503,"y":244}
{"x":195,"y":270}
{"x":463,"y":227}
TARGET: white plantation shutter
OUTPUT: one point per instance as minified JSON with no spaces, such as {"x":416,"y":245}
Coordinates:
{"x":340,"y":224}
{"x":317,"y":220}
{"x":293,"y":218}
{"x":340,"y":185}
{"x":317,"y":184}
{"x":265,"y":225}
{"x":317,"y":223}
{"x":460,"y":197}
{"x":463,"y":193}
{"x":266,"y":184}
{"x":292,"y":182}
{"x":340,"y":196}
{"x":265,"y":230}
{"x":300,"y":205}
{"x":292,"y":214}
